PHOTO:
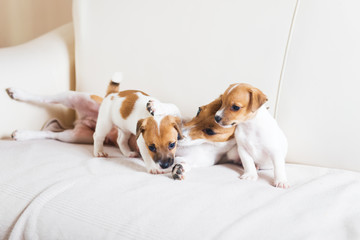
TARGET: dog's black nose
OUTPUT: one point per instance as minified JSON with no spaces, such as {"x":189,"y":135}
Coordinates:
{"x":164,"y":165}
{"x":217,"y":118}
{"x":168,"y":162}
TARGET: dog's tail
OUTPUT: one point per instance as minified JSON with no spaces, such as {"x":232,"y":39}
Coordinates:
{"x":114,"y":84}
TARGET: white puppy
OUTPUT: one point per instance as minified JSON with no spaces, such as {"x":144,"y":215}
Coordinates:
{"x":258,"y":136}
{"x":156,"y":135}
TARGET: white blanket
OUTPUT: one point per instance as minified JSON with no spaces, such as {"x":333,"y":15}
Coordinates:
{"x":54,"y":190}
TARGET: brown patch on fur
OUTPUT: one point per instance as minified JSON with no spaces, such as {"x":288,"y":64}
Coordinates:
{"x":169,"y":122}
{"x":96,"y":98}
{"x":128,"y":105}
{"x":206,"y":120}
{"x":129,"y":92}
{"x":245,"y":96}
{"x":129,"y":102}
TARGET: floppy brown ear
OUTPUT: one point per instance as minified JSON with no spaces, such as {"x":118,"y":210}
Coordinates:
{"x":257,"y":99}
{"x":177,"y":126}
{"x":218,"y":102}
{"x":140,"y":127}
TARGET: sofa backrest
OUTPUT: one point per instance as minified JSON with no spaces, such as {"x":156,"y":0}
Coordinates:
{"x":188,"y":52}
{"x":319,"y":97}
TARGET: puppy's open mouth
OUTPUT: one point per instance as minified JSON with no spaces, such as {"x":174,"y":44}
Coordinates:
{"x":226,"y":125}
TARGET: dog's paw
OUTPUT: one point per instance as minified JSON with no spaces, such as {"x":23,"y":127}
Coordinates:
{"x":281,"y":184}
{"x":10,"y":92}
{"x":249,"y":176}
{"x":155,"y":171}
{"x":14,"y":135}
{"x":21,"y":135}
{"x":178,"y":172}
{"x":132,"y":155}
{"x":13,"y":93}
{"x":150,"y":106}
{"x":101,"y":154}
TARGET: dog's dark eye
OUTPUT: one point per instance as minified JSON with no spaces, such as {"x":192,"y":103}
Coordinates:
{"x":198,"y":112}
{"x":152,"y":148}
{"x":172,"y":145}
{"x":235,"y":108}
{"x":209,"y":131}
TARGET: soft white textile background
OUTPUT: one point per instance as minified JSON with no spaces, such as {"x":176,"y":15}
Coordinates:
{"x":54,"y":190}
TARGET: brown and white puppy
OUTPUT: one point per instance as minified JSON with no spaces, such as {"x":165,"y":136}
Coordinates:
{"x":157,"y":135}
{"x":259,"y":139}
{"x":203,"y":125}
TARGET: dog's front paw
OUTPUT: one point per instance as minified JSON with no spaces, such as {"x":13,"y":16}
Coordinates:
{"x":132,"y":155}
{"x":178,"y":172}
{"x":155,"y":171}
{"x":249,"y":176}
{"x":281,"y":184}
{"x":101,"y":154}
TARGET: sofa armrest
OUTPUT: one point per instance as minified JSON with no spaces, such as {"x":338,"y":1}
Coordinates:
{"x":44,"y":65}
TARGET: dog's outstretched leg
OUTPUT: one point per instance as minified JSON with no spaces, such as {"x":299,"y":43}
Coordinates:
{"x":80,"y":134}
{"x":84,"y":103}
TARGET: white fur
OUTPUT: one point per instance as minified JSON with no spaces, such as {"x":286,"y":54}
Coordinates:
{"x":260,"y":141}
{"x":203,"y":153}
{"x":109,"y":115}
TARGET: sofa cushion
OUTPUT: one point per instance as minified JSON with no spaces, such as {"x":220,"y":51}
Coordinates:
{"x":54,"y":190}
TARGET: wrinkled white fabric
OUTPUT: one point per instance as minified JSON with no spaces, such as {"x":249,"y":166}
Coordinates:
{"x":55,"y":190}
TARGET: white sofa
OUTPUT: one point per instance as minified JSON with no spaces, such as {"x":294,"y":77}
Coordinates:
{"x":304,"y":54}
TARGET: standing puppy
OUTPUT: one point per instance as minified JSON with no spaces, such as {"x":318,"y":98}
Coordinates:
{"x":156,"y":135}
{"x":258,"y":136}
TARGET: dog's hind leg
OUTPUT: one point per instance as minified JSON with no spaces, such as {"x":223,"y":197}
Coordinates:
{"x":64,"y":98}
{"x":103,"y":127}
{"x":70,"y":99}
{"x":80,"y":134}
{"x":86,"y":105}
{"x":123,"y":143}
